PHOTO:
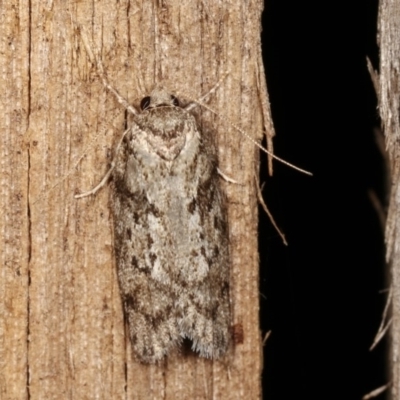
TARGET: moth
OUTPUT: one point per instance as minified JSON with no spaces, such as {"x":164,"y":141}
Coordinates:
{"x":171,"y":232}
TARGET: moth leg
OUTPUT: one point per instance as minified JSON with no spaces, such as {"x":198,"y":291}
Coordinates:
{"x":225,"y":177}
{"x":108,"y":173}
{"x":99,"y":186}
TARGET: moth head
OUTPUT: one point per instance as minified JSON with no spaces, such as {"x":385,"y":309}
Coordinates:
{"x":159,"y":97}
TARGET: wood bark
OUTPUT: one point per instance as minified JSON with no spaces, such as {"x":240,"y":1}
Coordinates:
{"x":387,"y":85}
{"x":62,"y":331}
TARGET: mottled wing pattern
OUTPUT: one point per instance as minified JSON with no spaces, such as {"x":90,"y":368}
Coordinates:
{"x":171,"y":236}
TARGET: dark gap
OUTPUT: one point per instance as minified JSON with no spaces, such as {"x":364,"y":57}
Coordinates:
{"x":320,"y":296}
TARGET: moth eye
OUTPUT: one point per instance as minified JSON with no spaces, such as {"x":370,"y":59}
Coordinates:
{"x":175,"y":101}
{"x":145,"y":103}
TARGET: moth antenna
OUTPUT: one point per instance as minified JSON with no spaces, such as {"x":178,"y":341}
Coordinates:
{"x":201,"y":103}
{"x":96,"y":60}
{"x":195,"y":103}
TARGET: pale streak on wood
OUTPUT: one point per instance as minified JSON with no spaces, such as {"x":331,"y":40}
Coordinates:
{"x":77,"y":346}
{"x":269,"y":129}
{"x":389,"y":96}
